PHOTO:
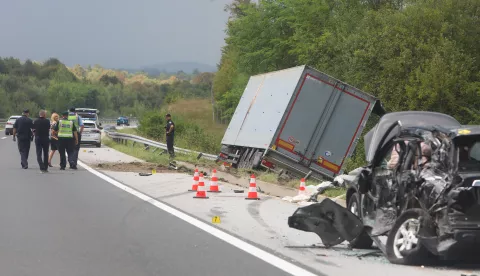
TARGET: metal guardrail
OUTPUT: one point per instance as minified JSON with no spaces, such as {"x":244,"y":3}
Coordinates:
{"x":124,"y":138}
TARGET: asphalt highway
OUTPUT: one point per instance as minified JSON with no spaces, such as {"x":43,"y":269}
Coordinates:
{"x":75,"y":223}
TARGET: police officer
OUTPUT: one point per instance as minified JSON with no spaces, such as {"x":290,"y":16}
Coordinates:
{"x":66,"y":132}
{"x":73,"y":116}
{"x":22,"y":130}
{"x":41,"y":129}
{"x":170,"y":130}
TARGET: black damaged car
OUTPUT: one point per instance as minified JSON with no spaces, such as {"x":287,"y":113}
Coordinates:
{"x":418,"y":198}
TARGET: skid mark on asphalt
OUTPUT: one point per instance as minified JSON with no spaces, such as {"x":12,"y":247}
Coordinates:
{"x":218,"y":211}
{"x":173,"y":195}
{"x":253,"y":210}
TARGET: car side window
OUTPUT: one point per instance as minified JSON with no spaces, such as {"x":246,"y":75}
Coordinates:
{"x":387,"y":158}
{"x":475,"y":152}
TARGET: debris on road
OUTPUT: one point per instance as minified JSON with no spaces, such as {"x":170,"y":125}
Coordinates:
{"x":309,"y":194}
{"x":330,"y":221}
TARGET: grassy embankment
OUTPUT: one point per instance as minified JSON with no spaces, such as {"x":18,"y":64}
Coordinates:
{"x":199,"y":112}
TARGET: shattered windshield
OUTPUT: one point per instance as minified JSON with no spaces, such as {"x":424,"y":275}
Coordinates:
{"x":468,"y":153}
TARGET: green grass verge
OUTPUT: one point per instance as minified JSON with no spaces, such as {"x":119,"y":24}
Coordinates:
{"x":139,"y":152}
{"x":132,"y":131}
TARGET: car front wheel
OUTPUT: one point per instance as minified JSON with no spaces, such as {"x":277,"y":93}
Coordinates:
{"x":363,"y":241}
{"x":403,"y":246}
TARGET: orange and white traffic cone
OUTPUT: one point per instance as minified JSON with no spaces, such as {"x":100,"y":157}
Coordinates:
{"x":214,"y":183}
{"x":201,"y":192}
{"x":301,"y":190}
{"x":252,"y":190}
{"x":195,"y":181}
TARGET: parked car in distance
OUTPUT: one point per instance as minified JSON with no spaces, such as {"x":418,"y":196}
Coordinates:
{"x":91,"y":134}
{"x":122,"y":121}
{"x":9,"y":124}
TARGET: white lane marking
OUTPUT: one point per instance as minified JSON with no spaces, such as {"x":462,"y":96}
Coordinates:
{"x":4,"y":138}
{"x":257,"y":252}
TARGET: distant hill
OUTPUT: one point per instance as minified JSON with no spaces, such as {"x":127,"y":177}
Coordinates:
{"x":173,"y":67}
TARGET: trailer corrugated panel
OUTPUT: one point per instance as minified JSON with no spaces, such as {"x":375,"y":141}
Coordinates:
{"x":322,"y":123}
{"x":261,"y":108}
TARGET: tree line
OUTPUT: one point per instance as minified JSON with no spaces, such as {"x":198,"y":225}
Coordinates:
{"x":54,"y":86}
{"x":412,"y":54}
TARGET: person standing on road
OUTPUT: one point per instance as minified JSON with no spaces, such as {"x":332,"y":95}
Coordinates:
{"x":41,"y":129}
{"x":170,"y":129}
{"x":73,"y":116}
{"x":53,"y":138}
{"x":22,"y":130}
{"x":66,"y":132}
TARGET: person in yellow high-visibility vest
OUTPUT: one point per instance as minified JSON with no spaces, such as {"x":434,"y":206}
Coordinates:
{"x":66,"y":131}
{"x":78,"y":122}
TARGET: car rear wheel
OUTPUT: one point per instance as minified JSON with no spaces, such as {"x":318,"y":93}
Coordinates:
{"x":363,"y":241}
{"x":403,"y":246}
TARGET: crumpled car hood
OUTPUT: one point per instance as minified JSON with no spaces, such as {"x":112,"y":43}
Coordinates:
{"x":331,"y":222}
{"x":408,"y":119}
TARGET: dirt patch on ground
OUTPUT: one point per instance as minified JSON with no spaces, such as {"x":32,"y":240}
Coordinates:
{"x":141,"y":167}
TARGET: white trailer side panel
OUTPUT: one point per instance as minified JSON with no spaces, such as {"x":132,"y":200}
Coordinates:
{"x":261,"y":108}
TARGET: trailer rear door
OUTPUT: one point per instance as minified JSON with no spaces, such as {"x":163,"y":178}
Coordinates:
{"x":323,"y":123}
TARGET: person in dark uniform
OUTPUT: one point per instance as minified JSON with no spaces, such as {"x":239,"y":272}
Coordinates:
{"x":22,"y":131}
{"x":170,"y":129}
{"x":66,"y":132}
{"x":41,"y":129}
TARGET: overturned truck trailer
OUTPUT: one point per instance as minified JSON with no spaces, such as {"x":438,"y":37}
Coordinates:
{"x":298,"y":120}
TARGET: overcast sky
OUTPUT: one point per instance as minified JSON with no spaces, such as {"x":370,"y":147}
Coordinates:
{"x":113,"y":33}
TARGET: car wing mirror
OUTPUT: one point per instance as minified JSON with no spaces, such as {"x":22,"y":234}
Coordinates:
{"x":363,"y":182}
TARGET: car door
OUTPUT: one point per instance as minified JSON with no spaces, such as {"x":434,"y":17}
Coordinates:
{"x":376,"y":202}
{"x":384,"y":171}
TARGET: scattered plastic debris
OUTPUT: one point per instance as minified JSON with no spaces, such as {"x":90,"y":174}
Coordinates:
{"x":305,"y":198}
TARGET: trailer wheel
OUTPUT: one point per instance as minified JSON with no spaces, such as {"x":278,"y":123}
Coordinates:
{"x":251,"y":158}
{"x":257,"y":159}
{"x":243,"y":156}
